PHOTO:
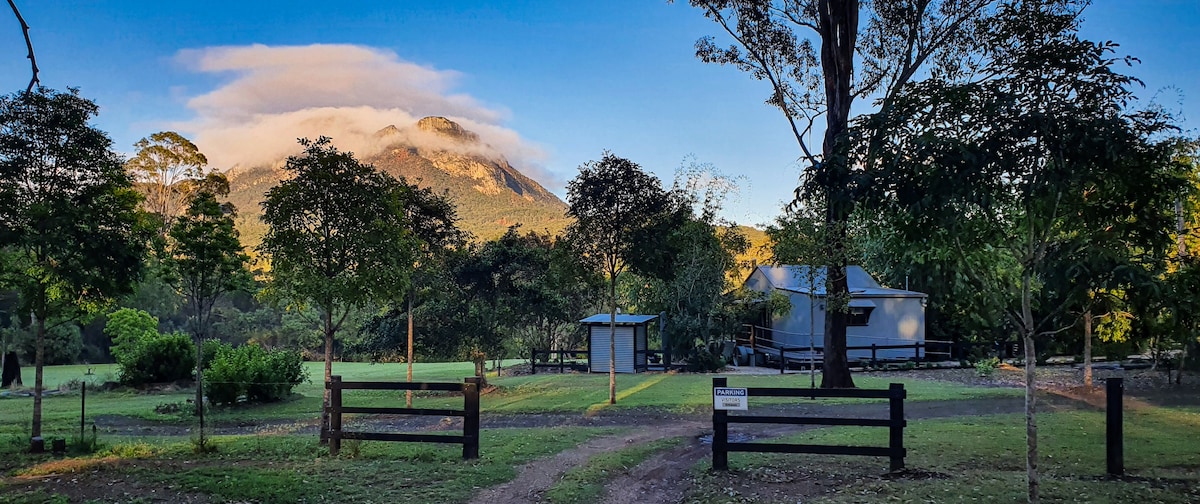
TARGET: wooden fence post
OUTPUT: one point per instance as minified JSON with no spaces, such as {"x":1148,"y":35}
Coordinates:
{"x":532,"y":361}
{"x":1115,"y":439}
{"x":562,"y":362}
{"x":335,"y":414}
{"x":896,"y":429}
{"x":720,"y":433}
{"x":874,"y":360}
{"x":471,"y":418}
{"x":917,"y":352}
{"x":782,"y":363}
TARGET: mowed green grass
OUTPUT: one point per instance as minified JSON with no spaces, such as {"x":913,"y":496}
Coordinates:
{"x":983,"y":460}
{"x":543,"y":393}
{"x":271,"y":469}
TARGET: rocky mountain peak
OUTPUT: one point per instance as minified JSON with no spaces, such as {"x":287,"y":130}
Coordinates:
{"x":446,"y":127}
{"x":387,"y":131}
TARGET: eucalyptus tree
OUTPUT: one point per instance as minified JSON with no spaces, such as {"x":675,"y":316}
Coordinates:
{"x":337,"y":238}
{"x":69,"y":220}
{"x":620,"y":212}
{"x":165,"y":167}
{"x":818,"y":60}
{"x":1041,"y":156}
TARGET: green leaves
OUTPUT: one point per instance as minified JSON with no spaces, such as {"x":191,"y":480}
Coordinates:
{"x":70,"y":218}
{"x":205,"y":258}
{"x":338,"y":235}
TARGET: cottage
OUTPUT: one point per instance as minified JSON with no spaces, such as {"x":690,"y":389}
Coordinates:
{"x":631,"y":342}
{"x":878,"y":315}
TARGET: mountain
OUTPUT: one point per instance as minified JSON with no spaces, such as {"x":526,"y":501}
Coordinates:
{"x":489,"y":193}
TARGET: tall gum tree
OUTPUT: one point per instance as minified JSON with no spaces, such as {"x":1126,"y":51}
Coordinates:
{"x":69,"y":220}
{"x":166,"y":167}
{"x":819,"y":57}
{"x":1042,"y":155}
{"x":337,"y":239}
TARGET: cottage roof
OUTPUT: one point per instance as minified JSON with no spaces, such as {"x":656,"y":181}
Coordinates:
{"x":603,"y":318}
{"x":796,"y":278}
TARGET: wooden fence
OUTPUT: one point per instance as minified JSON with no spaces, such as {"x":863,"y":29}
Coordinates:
{"x":955,"y":349}
{"x":562,"y":365}
{"x":470,"y":414}
{"x":895,"y":423}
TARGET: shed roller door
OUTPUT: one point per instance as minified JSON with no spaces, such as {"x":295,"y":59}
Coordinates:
{"x":599,"y":344}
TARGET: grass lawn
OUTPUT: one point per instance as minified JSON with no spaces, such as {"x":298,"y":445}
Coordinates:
{"x":982,"y":460}
{"x":288,"y":469}
{"x":966,"y":459}
{"x":570,"y":393}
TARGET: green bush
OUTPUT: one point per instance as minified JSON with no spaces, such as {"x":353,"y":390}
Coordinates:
{"x":987,"y":367}
{"x":126,"y":328}
{"x":209,"y":350}
{"x":701,"y":359}
{"x":225,"y":376}
{"x":158,"y":358}
{"x":260,"y":375}
{"x":274,"y":376}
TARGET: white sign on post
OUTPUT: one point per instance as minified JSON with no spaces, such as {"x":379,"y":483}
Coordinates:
{"x":725,"y":398}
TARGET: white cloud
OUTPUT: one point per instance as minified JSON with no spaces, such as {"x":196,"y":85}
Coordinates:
{"x":276,"y":94}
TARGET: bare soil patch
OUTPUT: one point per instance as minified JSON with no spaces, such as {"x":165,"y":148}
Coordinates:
{"x":103,"y":484}
{"x":534,"y":478}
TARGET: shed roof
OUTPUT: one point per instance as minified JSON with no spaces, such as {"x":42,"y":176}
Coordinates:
{"x":603,"y":318}
{"x":795,"y":278}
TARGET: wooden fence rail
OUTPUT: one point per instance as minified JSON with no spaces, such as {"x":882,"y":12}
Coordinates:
{"x":470,"y":414}
{"x":895,"y":423}
{"x":561,"y":364}
{"x":961,"y":349}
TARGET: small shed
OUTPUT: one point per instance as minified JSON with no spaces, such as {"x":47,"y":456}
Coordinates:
{"x":631,"y":342}
{"x":878,"y":315}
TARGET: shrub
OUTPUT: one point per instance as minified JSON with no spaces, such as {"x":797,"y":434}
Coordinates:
{"x":987,"y":367}
{"x":210,"y":348}
{"x":260,"y":375}
{"x":126,"y":328}
{"x":224,"y":377}
{"x":158,"y":358}
{"x":704,"y":359}
{"x":274,"y":375}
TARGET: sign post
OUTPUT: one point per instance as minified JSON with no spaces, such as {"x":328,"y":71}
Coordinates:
{"x":727,"y":398}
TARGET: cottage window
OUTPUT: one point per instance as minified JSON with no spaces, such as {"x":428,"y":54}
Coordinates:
{"x":859,"y":316}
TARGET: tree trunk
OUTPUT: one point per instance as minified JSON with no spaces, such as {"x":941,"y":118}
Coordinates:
{"x":838,"y":28}
{"x":327,"y":315}
{"x":1031,"y":419}
{"x":408,"y":393}
{"x":39,"y":357}
{"x":200,"y":384}
{"x":4,"y":353}
{"x":1027,"y":329}
{"x":200,"y":378}
{"x":1182,"y":363}
{"x":835,"y":365}
{"x":1087,"y":349}
{"x":612,"y":342}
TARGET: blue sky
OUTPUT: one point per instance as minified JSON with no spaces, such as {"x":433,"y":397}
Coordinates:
{"x":555,"y":83}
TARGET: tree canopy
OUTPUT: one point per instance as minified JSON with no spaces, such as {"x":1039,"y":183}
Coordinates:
{"x":338,"y":236}
{"x":69,"y":225}
{"x":1042,"y":156}
{"x":621,"y":213}
{"x":818,"y":59}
